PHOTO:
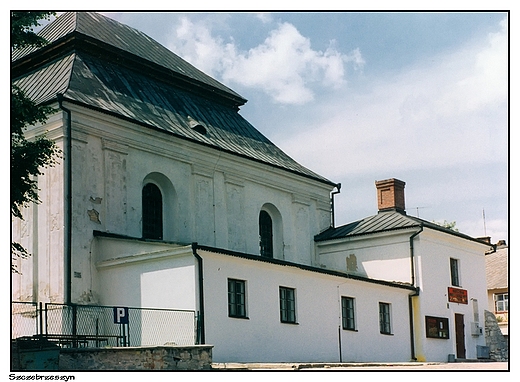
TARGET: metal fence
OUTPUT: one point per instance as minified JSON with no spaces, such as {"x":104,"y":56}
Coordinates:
{"x":24,"y":319}
{"x":98,"y":326}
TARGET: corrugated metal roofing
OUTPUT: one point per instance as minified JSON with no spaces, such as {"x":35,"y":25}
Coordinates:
{"x":125,"y":38}
{"x":384,"y":222}
{"x":90,"y":79}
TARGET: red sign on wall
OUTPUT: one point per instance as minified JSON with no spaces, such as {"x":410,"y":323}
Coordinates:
{"x":457,"y":295}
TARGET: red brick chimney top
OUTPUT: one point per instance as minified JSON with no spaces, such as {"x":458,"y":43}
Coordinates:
{"x":390,"y":195}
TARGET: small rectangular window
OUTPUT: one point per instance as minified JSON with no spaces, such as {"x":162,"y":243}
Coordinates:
{"x":348,"y":313}
{"x":454,"y":269}
{"x":287,"y":305}
{"x":236,"y":298}
{"x":437,"y":327}
{"x":384,"y":318}
{"x":501,"y":302}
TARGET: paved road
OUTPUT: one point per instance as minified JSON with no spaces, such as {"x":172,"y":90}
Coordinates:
{"x":404,"y":366}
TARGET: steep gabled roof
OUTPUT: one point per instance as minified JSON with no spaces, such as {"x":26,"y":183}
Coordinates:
{"x":385,"y":221}
{"x":99,"y":63}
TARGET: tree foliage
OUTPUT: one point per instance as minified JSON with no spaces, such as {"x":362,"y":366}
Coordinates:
{"x":448,"y":225}
{"x":22,"y":29}
{"x":28,"y":158}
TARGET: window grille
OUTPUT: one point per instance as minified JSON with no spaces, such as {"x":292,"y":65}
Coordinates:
{"x":236,"y":298}
{"x":347,"y":309}
{"x":287,"y":305}
{"x":384,"y":318}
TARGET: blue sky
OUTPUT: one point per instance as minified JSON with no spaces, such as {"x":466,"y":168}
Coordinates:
{"x":366,"y":96}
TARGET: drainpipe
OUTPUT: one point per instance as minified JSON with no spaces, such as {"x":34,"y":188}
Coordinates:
{"x":416,"y":293}
{"x":202,"y":338}
{"x":338,"y":190}
{"x":412,"y":259}
{"x":68,"y":203}
{"x":410,"y":312}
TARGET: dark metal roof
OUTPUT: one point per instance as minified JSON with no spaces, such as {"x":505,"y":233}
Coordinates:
{"x":89,"y":75}
{"x":384,"y":222}
{"x":125,"y":38}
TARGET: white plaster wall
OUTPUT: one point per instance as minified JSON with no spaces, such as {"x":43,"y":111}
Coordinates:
{"x":263,"y":338}
{"x":434,"y":251}
{"x":209,"y":196}
{"x":387,"y":257}
{"x":379,"y":256}
{"x":140,"y":274}
{"x":42,"y":230}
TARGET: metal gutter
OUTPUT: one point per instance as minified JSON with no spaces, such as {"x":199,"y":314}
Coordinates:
{"x":202,"y":337}
{"x":68,"y":203}
{"x":416,"y":293}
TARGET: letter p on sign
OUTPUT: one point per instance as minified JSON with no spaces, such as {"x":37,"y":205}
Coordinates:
{"x":120,"y":315}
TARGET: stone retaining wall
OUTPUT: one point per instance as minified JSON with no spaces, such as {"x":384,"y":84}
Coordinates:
{"x":498,"y":344}
{"x":198,"y":357}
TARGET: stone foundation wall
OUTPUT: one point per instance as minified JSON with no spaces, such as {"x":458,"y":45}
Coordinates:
{"x":198,"y":357}
{"x":498,"y":344}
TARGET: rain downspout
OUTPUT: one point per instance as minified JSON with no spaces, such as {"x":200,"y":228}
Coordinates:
{"x":202,"y":337}
{"x":416,"y":293}
{"x":412,"y":258}
{"x":332,"y":218}
{"x":68,"y":203}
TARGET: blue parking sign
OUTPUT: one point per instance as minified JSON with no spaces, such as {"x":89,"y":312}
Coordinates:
{"x":120,"y":315}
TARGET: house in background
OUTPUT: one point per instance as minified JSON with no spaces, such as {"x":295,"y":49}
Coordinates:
{"x":497,"y":271}
{"x":167,"y":197}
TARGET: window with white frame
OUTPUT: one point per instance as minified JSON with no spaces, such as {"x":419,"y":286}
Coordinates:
{"x":236,"y":298}
{"x":348,"y":313}
{"x":501,"y":302}
{"x":287,"y":305}
{"x":455,"y":272}
{"x":384,"y":318}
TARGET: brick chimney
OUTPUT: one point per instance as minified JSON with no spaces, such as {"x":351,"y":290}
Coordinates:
{"x":390,"y":195}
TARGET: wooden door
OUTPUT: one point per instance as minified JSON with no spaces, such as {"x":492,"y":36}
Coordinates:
{"x":459,"y":335}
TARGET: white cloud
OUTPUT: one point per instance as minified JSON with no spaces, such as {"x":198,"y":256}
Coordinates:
{"x":449,"y":111}
{"x":284,"y":66}
{"x":265,"y":17}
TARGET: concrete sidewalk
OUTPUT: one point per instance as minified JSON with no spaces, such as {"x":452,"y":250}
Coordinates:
{"x":402,"y":366}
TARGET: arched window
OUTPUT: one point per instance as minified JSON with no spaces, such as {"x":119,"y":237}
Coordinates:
{"x":265,"y":224}
{"x":152,"y":212}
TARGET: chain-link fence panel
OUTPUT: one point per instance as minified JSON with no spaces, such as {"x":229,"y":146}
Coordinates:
{"x":98,"y":326}
{"x":24,"y":319}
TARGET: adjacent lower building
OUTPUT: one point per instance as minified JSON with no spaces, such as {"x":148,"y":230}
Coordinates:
{"x":445,"y":266}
